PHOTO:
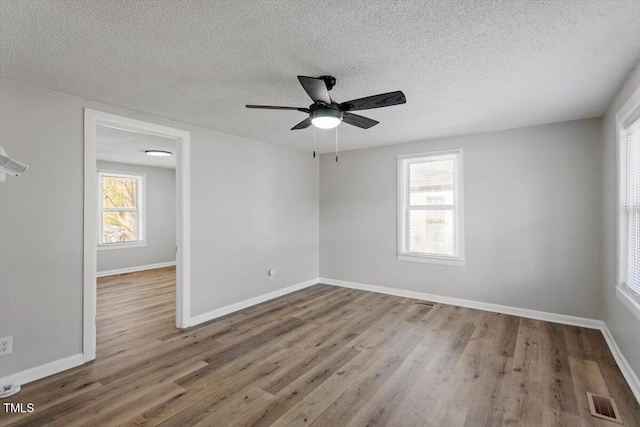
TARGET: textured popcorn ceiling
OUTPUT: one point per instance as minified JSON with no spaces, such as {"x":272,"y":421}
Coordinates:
{"x":465,"y":66}
{"x":122,"y":146}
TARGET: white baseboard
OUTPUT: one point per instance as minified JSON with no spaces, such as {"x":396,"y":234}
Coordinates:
{"x":30,"y":375}
{"x":625,"y":368}
{"x":497,"y":308}
{"x":134,"y":269}
{"x":205,"y":317}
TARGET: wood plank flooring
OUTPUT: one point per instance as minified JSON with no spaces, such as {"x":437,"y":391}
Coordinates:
{"x":324,"y":356}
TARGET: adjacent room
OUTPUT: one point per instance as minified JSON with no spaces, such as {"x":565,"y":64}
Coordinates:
{"x":136,"y":228}
{"x":319,"y":213}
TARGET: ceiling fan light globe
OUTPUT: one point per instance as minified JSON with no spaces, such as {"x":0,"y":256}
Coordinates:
{"x":325,"y":122}
{"x":326,"y":118}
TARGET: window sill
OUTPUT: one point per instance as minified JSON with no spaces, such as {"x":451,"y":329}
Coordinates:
{"x":452,"y":262}
{"x":122,"y":246}
{"x":629,"y":300}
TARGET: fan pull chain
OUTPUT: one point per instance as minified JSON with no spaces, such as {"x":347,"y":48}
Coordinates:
{"x":314,"y":142}
{"x":336,"y":143}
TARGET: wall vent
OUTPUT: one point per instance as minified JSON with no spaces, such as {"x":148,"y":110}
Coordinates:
{"x":603,"y":407}
{"x":425,"y":303}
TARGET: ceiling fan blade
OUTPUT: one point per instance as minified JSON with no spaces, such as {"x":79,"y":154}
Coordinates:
{"x":375,"y":101}
{"x":272,"y":107}
{"x":303,"y":124}
{"x":359,"y":121}
{"x":316,"y":88}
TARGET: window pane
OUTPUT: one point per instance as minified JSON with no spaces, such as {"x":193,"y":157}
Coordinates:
{"x":632,"y":274}
{"x":630,"y":204}
{"x":119,"y":192}
{"x":633,"y":164}
{"x":431,"y":231}
{"x":118,"y":227}
{"x":630,"y":224}
{"x":431,"y":183}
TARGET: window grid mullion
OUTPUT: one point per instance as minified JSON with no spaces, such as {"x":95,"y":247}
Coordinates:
{"x":120,"y":209}
{"x":431,"y":207}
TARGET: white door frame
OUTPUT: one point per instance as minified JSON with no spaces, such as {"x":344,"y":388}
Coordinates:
{"x":92,"y":119}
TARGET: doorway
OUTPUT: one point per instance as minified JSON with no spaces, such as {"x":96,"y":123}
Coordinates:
{"x":118,"y":230}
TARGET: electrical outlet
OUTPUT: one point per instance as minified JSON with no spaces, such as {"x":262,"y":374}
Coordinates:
{"x":6,"y":345}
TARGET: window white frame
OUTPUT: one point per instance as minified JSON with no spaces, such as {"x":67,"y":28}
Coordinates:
{"x":139,"y":209}
{"x":625,"y":117}
{"x":403,"y":253}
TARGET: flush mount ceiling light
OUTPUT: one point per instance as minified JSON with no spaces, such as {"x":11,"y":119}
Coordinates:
{"x":326,"y":118}
{"x":158,"y":153}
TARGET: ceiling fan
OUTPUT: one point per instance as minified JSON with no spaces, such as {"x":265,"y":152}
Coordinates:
{"x":325,"y":113}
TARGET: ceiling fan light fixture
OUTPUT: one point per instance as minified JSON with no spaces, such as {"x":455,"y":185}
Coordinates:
{"x":158,"y":153}
{"x":325,"y":113}
{"x":326,"y":118}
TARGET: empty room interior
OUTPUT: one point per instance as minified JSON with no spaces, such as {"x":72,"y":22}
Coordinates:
{"x":320,"y":213}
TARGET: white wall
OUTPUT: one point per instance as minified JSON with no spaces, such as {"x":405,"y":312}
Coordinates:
{"x":41,"y":228}
{"x":622,"y":324}
{"x":256,"y":208}
{"x":160,"y":215}
{"x":253,"y":206}
{"x":532,"y":219}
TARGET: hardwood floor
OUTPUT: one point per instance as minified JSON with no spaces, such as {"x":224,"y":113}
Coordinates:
{"x":325,"y":356}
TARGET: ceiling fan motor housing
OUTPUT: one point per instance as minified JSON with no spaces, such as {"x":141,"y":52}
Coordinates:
{"x":330,"y":81}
